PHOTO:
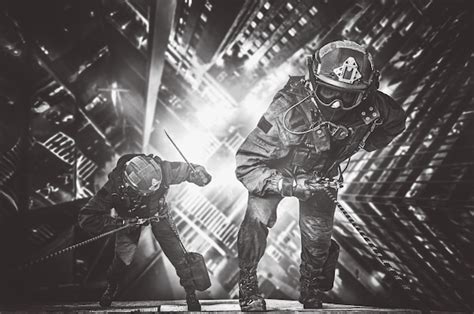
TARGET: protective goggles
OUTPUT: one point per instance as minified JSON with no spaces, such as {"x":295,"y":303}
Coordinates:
{"x":337,"y":98}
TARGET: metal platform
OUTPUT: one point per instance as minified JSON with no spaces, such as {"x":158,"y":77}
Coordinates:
{"x":207,"y":306}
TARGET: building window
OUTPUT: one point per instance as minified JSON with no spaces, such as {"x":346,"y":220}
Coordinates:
{"x":257,"y":43}
{"x":289,"y":6}
{"x":191,"y":52}
{"x":264,"y":61}
{"x":264,"y":35}
{"x":284,"y":40}
{"x":208,"y":5}
{"x":203,"y":17}
{"x":276,"y":48}
{"x":259,"y":15}
{"x":302,"y":21}
{"x":271,"y":27}
{"x":279,"y":18}
{"x":367,"y":39}
{"x":221,"y":76}
{"x":313,"y":11}
{"x":267,"y":5}
{"x":253,"y":24}
{"x":292,"y":32}
{"x":405,"y":30}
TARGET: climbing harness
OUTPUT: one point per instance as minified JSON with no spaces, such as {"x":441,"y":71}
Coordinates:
{"x":128,"y":224}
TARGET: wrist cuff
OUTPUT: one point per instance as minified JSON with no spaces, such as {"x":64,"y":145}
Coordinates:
{"x":286,"y":186}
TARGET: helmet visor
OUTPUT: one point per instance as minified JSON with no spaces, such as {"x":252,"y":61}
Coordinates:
{"x":335,"y":98}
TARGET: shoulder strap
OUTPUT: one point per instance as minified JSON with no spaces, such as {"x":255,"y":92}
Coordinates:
{"x":319,"y":138}
{"x":361,"y":144}
{"x":374,"y":124}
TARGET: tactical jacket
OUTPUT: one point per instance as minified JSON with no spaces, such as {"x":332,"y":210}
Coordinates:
{"x":271,"y":150}
{"x":96,"y":214}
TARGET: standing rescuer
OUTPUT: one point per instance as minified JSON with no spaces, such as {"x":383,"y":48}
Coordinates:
{"x":136,"y":189}
{"x":312,"y":125}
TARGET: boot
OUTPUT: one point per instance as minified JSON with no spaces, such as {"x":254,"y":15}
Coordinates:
{"x":250,"y":299}
{"x":310,"y":296}
{"x":109,"y":294}
{"x":192,"y":301}
{"x":186,"y":280}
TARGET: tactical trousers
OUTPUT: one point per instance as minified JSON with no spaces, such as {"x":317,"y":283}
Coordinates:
{"x":318,"y":261}
{"x":125,"y":246}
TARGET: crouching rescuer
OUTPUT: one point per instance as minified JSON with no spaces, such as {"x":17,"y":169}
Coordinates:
{"x":136,"y":189}
{"x":312,"y":125}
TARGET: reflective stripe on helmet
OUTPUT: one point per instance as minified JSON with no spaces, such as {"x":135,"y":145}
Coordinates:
{"x":143,"y":174}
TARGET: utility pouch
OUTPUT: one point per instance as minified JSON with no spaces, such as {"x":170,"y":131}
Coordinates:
{"x":300,"y":156}
{"x":199,"y":270}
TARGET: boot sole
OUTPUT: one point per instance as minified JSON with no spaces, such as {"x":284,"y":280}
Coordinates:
{"x":255,"y":306}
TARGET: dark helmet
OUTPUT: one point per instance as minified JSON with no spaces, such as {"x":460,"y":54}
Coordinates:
{"x":342,"y":74}
{"x":143,"y":174}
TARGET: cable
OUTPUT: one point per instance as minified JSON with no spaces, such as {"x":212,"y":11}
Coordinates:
{"x":286,"y":114}
{"x":378,"y":255}
{"x":75,"y":246}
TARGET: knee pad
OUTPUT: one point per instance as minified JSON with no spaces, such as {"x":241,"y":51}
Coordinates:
{"x":256,"y":219}
{"x":263,"y":210}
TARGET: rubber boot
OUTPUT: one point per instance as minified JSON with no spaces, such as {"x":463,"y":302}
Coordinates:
{"x":250,"y":299}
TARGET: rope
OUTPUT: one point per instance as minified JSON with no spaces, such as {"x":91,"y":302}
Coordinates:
{"x":75,"y":246}
{"x":377,"y":253}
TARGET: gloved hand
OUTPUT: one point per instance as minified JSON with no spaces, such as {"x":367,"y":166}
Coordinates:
{"x":199,"y":176}
{"x":306,"y":186}
{"x":116,"y":222}
{"x":303,"y":187}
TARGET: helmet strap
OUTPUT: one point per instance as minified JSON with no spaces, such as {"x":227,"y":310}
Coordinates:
{"x":311,"y":76}
{"x":373,"y":86}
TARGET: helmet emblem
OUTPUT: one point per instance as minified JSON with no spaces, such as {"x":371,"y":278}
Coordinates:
{"x":154,"y":183}
{"x":348,"y":72}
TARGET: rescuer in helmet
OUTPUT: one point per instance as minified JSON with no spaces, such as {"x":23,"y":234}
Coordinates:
{"x":136,"y":189}
{"x":312,"y":125}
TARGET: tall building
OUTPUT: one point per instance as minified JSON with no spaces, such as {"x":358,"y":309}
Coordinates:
{"x":87,"y":74}
{"x":204,"y":27}
{"x":418,"y":185}
{"x":272,"y":34}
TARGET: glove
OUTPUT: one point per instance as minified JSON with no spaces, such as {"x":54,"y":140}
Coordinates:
{"x":306,"y":186}
{"x":199,"y":176}
{"x":303,"y":187}
{"x":116,"y":222}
